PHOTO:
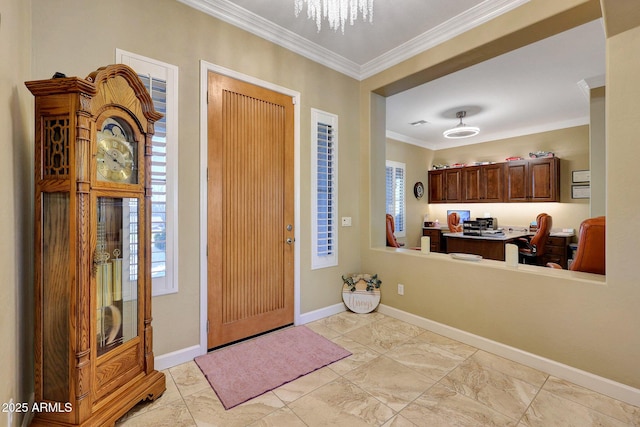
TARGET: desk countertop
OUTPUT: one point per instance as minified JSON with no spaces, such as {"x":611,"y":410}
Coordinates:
{"x":508,"y":235}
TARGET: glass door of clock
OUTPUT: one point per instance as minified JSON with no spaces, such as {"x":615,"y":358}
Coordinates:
{"x":117,"y":270}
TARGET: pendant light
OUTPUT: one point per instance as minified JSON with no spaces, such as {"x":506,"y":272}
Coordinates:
{"x":461,"y":130}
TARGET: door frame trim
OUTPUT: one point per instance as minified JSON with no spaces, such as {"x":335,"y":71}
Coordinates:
{"x":205,"y":68}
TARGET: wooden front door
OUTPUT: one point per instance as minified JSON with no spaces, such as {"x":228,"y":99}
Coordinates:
{"x":250,"y":210}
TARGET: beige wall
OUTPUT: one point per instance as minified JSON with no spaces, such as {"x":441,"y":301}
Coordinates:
{"x":16,"y":229}
{"x":598,"y":152}
{"x":591,"y":325}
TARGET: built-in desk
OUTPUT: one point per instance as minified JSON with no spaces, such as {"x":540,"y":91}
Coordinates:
{"x":492,"y":246}
{"x":488,"y":246}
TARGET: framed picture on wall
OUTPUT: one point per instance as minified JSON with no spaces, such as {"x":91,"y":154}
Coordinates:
{"x":580,"y":191}
{"x":581,"y":176}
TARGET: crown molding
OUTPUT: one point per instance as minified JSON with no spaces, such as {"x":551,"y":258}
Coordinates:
{"x":586,"y":85}
{"x":409,"y":140}
{"x":469,"y":19}
{"x":255,"y":24}
{"x":263,"y":28}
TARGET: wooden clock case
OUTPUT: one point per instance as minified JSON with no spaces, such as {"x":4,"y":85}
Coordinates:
{"x":83,"y":378}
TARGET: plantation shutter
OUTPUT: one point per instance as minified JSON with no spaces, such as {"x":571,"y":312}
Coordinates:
{"x":325,"y":215}
{"x":395,"y":195}
{"x":158,"y":90}
{"x":324,"y":189}
{"x":399,"y":199}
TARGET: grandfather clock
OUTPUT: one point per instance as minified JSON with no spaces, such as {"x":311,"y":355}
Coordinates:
{"x":93,"y":336}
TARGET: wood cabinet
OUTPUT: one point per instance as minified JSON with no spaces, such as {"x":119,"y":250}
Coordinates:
{"x":445,"y":185}
{"x":483,"y":183}
{"x":92,"y":284}
{"x":535,"y":180}
{"x":438,"y":243}
{"x":557,"y":251}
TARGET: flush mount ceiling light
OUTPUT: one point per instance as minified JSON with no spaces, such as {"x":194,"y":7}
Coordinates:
{"x":462,"y":130}
{"x":336,"y":11}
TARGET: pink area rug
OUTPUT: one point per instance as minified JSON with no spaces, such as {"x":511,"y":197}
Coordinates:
{"x":243,"y":371}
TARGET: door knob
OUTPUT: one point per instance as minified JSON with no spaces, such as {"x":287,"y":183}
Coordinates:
{"x":289,"y":241}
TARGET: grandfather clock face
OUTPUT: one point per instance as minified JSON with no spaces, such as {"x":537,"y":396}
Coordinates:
{"x":117,"y":152}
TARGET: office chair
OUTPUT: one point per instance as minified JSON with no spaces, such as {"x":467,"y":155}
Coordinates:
{"x":590,"y":255}
{"x":453,"y":221}
{"x":391,"y":228}
{"x":531,"y":251}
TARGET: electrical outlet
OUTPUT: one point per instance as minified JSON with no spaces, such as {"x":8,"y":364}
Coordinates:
{"x":400,"y":289}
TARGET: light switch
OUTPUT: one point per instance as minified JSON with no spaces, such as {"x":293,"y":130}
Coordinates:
{"x":346,"y":221}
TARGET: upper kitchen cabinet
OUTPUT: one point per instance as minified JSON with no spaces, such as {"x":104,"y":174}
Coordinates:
{"x":445,"y":185}
{"x":484,"y":183}
{"x":535,"y":180}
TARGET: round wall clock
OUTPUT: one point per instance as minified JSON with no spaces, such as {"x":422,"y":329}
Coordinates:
{"x":418,"y":190}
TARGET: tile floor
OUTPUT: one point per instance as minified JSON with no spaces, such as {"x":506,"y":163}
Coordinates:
{"x":399,"y":375}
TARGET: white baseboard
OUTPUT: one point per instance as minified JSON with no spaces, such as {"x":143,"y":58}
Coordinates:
{"x":322,"y":313}
{"x":582,"y":378}
{"x":169,"y":360}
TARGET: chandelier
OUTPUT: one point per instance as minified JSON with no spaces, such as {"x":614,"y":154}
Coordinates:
{"x":336,"y":11}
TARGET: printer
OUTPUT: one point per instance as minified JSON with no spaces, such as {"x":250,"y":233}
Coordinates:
{"x":479,"y":226}
{"x":490,"y":223}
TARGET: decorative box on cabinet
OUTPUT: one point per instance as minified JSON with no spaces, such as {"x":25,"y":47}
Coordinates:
{"x":436,"y":239}
{"x":535,"y":180}
{"x":93,"y":335}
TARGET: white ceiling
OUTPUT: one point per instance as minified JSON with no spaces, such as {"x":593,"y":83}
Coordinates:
{"x":536,"y":88}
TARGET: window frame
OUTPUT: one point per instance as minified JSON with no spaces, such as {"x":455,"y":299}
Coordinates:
{"x":318,"y":261}
{"x":169,"y":73}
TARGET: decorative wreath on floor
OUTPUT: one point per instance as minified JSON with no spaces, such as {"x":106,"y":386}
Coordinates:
{"x":371,"y":280}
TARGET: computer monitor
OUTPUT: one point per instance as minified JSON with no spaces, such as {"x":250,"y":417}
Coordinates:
{"x":464,"y":215}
